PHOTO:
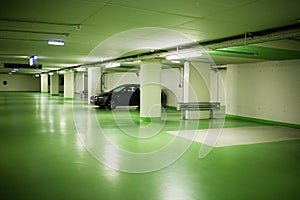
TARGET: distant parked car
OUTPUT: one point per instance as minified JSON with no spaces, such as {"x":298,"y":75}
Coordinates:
{"x":124,"y":95}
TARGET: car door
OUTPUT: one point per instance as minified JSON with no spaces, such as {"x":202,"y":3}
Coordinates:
{"x":125,"y":95}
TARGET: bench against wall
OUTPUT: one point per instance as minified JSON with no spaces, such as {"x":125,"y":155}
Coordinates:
{"x":197,"y":106}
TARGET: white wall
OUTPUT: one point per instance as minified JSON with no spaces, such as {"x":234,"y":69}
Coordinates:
{"x":79,"y":82}
{"x":222,"y":86}
{"x":19,"y":83}
{"x":112,"y":80}
{"x":265,"y":90}
{"x":171,"y":80}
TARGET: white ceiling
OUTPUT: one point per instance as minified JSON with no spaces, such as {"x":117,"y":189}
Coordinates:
{"x":25,"y":27}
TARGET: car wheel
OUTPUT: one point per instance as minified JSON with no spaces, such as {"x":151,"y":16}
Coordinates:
{"x":102,"y":107}
{"x":110,"y":104}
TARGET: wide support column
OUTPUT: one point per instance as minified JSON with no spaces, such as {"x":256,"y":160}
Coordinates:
{"x":94,"y":81}
{"x":44,"y":83}
{"x":196,"y":87}
{"x":69,"y":84}
{"x":150,"y":79}
{"x":54,"y":84}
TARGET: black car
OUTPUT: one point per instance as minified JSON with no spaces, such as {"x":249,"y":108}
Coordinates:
{"x":124,"y":95}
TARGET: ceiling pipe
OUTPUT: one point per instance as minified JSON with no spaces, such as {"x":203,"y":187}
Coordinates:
{"x":35,"y":32}
{"x":280,"y":33}
{"x":76,"y":26}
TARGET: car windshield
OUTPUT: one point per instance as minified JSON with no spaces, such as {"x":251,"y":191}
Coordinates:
{"x":125,"y":88}
{"x":118,"y":89}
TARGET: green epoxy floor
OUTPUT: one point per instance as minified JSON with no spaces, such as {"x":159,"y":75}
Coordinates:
{"x":43,"y":158}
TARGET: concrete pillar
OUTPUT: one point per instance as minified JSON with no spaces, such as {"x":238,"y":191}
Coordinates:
{"x":44,"y":83}
{"x":196,"y":87}
{"x":54,"y":84}
{"x":69,"y":84}
{"x":186,"y":86}
{"x":150,"y":79}
{"x":94,"y":81}
{"x":186,"y":80}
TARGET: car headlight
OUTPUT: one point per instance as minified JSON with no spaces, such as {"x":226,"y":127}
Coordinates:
{"x":103,"y":98}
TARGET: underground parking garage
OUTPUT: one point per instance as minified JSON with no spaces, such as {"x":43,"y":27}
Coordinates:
{"x":126,"y":100}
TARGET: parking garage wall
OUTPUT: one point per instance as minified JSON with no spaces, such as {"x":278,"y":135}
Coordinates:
{"x":264,"y":90}
{"x":112,"y":80}
{"x":22,"y":83}
{"x":171,"y":80}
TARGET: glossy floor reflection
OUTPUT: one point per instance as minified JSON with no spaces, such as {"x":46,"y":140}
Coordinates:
{"x":42,"y":157}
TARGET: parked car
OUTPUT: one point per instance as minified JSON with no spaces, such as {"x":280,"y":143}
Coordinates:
{"x":124,"y":95}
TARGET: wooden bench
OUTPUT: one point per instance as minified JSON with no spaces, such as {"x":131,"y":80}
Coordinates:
{"x":198,"y":106}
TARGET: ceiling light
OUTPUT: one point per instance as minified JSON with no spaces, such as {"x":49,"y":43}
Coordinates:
{"x":110,"y":65}
{"x":184,"y":55}
{"x":51,"y":73}
{"x":137,"y":61}
{"x":62,"y":72}
{"x":172,"y":57}
{"x":56,"y":42}
{"x":81,"y":69}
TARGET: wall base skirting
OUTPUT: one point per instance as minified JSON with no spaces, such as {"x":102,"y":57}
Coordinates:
{"x":171,"y":107}
{"x":150,"y":119}
{"x":270,"y":122}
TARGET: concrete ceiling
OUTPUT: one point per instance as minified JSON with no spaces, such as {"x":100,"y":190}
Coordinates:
{"x":26,"y":26}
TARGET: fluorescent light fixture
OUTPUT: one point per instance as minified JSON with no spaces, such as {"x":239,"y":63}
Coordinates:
{"x":51,"y":73}
{"x":172,"y":57}
{"x":51,"y":68}
{"x":37,"y":75}
{"x":184,"y":55}
{"x":81,"y":69}
{"x":110,"y":65}
{"x":133,"y":62}
{"x":137,"y":61}
{"x":175,"y":61}
{"x":56,"y":42}
{"x":62,"y":72}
